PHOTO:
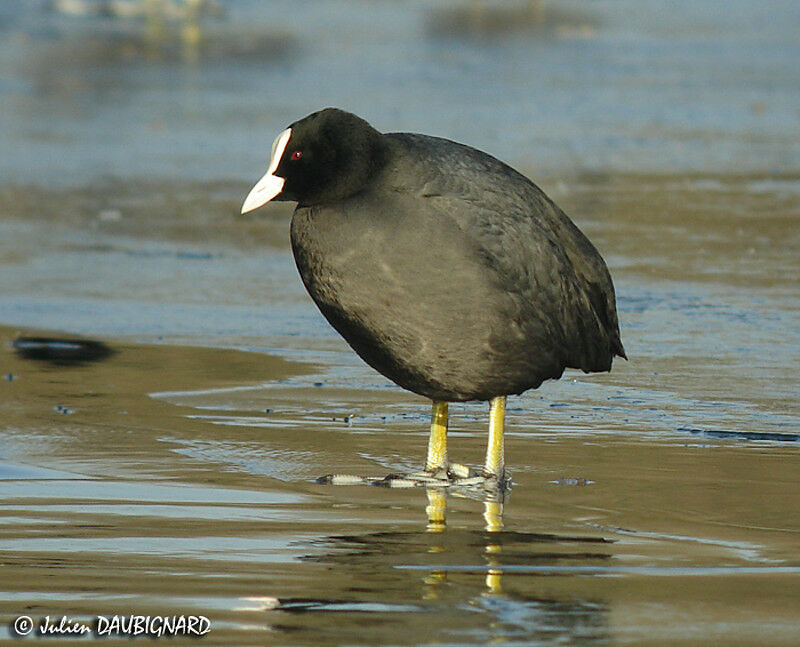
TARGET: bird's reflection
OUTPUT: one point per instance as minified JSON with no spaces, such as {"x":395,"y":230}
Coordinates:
{"x":444,"y":569}
{"x":493,"y":519}
{"x":436,"y":510}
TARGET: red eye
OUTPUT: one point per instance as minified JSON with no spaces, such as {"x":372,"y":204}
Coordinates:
{"x":296,"y":155}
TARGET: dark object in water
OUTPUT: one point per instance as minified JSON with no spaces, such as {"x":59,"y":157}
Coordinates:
{"x":64,"y":352}
{"x":445,"y":269}
{"x":484,"y":20}
{"x":744,"y":435}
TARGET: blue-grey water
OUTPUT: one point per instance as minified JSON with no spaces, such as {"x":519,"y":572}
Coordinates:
{"x":602,"y":86}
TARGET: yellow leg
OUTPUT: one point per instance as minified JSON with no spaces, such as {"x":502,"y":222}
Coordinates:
{"x":437,"y":444}
{"x":495,"y":460}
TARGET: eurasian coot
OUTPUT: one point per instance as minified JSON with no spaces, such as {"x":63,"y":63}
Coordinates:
{"x":446,"y":270}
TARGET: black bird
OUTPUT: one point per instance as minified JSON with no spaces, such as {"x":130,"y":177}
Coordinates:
{"x":445,"y":269}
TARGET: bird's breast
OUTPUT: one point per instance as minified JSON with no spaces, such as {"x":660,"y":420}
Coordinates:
{"x":339,"y":259}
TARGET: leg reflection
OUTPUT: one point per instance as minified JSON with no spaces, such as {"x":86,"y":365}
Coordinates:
{"x":436,"y":509}
{"x":493,"y":518}
{"x":493,"y":513}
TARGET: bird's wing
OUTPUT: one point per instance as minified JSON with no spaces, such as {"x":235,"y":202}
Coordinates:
{"x":531,"y":247}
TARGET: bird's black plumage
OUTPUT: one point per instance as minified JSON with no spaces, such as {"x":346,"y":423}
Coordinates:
{"x":445,"y":269}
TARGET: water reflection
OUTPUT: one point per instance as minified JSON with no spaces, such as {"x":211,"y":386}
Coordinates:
{"x":467,"y":570}
{"x":493,"y":501}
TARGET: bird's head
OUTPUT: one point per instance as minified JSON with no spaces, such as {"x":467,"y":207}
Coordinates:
{"x":324,"y":157}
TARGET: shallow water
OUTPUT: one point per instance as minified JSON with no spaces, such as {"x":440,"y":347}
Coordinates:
{"x":655,"y":504}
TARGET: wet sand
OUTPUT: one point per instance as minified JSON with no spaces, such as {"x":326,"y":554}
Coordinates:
{"x":654,"y":504}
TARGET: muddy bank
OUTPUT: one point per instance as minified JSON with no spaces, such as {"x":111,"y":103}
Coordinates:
{"x":706,"y":269}
{"x":168,"y":479}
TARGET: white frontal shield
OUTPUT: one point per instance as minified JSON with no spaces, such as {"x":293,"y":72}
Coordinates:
{"x":270,"y":185}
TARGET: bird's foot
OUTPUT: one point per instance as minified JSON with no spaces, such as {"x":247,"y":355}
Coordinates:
{"x":454,"y":475}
